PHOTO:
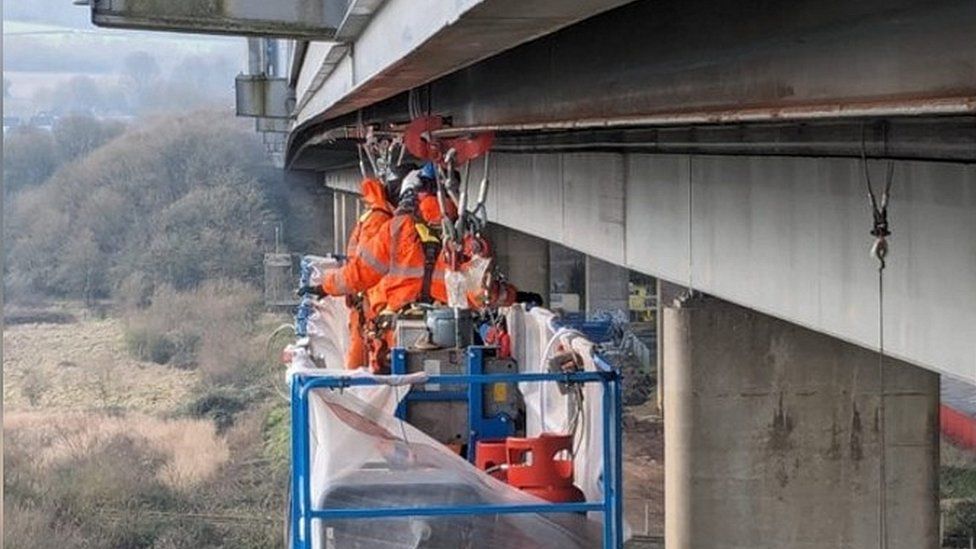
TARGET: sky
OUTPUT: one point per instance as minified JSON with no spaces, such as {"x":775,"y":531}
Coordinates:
{"x":47,"y":44}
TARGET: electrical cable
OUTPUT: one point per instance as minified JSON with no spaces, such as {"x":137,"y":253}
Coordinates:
{"x":271,"y":361}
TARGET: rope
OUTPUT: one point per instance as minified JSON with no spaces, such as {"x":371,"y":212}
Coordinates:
{"x":879,"y":250}
{"x":882,"y":469}
{"x":691,"y":236}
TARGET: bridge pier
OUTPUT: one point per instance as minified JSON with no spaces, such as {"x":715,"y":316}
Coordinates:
{"x":772,"y":437}
{"x":607,"y":287}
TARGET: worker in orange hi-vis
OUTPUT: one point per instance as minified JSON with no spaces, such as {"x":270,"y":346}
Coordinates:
{"x":365,"y":301}
{"x":407,"y":262}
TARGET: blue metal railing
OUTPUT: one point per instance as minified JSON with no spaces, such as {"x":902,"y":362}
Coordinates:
{"x":303,"y":512}
{"x":597,"y":331}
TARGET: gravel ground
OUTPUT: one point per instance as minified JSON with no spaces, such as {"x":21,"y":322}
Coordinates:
{"x":644,"y":471}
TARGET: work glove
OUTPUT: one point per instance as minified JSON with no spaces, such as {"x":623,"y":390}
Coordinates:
{"x":529,"y":298}
{"x":313,"y":291}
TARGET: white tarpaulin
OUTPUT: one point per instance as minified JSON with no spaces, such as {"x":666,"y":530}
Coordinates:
{"x":363,"y":457}
{"x":534,"y":340}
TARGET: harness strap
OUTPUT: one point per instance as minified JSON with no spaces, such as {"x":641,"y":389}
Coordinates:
{"x":432,"y":248}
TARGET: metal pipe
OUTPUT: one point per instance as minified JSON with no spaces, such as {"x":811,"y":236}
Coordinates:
{"x":456,"y":510}
{"x":333,"y":381}
{"x":909,"y":107}
{"x":463,"y":202}
{"x":618,"y":463}
{"x":607,"y":481}
{"x":296,"y":474}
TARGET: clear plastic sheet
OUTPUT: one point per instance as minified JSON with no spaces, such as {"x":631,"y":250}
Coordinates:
{"x":470,"y":280}
{"x":318,"y":266}
{"x":327,"y":325}
{"x":328,"y":332}
{"x":363,"y":457}
{"x":456,"y":289}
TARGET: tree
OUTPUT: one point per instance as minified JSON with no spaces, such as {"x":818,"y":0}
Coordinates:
{"x":176,"y":203}
{"x":78,"y":135}
{"x":140,"y":75}
{"x":29,"y":158}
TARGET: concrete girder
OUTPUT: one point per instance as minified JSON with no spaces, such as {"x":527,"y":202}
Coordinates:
{"x":786,"y":236}
{"x":707,"y":61}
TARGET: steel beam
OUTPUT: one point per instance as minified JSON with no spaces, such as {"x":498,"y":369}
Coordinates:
{"x":701,"y":62}
{"x":302,"y":19}
{"x":404,"y":45}
{"x":717,"y":61}
{"x":951,"y":138}
{"x":263,"y":97}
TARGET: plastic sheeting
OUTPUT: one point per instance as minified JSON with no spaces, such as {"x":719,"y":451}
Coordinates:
{"x":328,"y":332}
{"x":363,"y":457}
{"x":547,"y":409}
{"x":328,"y":323}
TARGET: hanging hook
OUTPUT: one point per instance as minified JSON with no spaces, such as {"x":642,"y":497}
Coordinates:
{"x":879,"y":210}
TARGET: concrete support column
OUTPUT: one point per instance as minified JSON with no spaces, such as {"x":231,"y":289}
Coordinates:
{"x":607,"y":286}
{"x":772,"y":437}
{"x":666,"y":294}
{"x":523,"y":258}
{"x":567,"y":278}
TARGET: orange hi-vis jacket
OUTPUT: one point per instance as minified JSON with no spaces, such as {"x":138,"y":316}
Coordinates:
{"x":371,"y":222}
{"x":378,"y":211}
{"x":395,"y":260}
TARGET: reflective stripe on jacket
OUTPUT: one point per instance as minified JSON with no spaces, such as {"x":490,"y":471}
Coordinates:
{"x":361,"y":271}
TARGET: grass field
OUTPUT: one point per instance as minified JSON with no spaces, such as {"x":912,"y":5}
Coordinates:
{"x":105,"y":451}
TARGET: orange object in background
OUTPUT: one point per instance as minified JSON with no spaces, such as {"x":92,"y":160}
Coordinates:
{"x":492,"y":457}
{"x":499,"y":337}
{"x":541,"y":466}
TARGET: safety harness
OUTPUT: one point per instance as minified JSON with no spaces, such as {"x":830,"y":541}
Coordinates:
{"x":432,"y":248}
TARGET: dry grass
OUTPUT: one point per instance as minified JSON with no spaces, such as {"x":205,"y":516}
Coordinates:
{"x":85,"y":366}
{"x":210,"y":327}
{"x":190,"y":449}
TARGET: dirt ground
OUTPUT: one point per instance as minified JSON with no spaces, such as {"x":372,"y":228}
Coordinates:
{"x":644,"y":470}
{"x":83,"y":365}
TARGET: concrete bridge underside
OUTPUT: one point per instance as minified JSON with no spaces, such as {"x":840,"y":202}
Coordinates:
{"x":717,"y":144}
{"x":787,"y":236}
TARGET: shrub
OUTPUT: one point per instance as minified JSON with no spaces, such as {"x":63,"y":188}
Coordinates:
{"x":34,"y":387}
{"x":210,"y":327}
{"x":101,"y":482}
{"x":149,"y":345}
{"x":219,"y":404}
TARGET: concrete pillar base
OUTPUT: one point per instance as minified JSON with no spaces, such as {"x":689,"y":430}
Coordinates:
{"x":772,"y":437}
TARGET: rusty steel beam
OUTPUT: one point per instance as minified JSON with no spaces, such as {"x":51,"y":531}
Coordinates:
{"x":717,"y":61}
{"x":705,"y":62}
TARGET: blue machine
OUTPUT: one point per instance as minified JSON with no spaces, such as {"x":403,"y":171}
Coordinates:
{"x":480,"y":427}
{"x":611,"y":505}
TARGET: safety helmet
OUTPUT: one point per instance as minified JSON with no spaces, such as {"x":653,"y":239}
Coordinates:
{"x":395,"y":178}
